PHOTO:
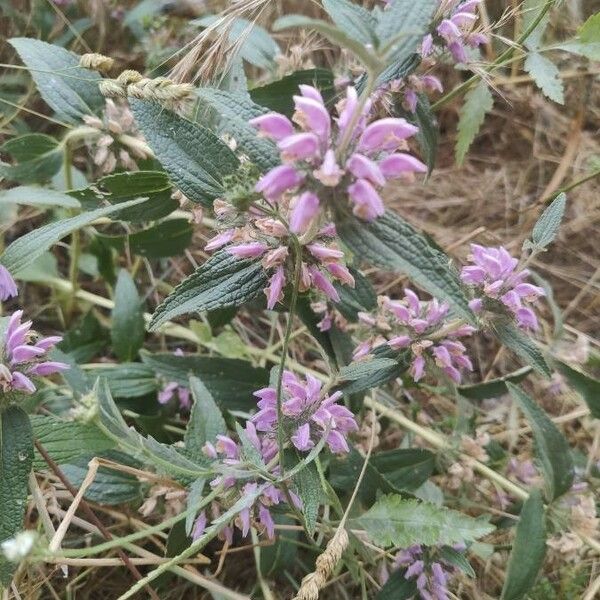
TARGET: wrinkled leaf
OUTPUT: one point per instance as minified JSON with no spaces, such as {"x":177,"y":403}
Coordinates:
{"x":478,"y":102}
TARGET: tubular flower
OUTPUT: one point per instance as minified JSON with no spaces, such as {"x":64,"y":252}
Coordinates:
{"x":421,"y":329}
{"x":23,"y":358}
{"x":312,"y":156}
{"x":494,"y":275}
{"x":8,"y":287}
{"x":231,"y":454}
{"x":308,"y":414}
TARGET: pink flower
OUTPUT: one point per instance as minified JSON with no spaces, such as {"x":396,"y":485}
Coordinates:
{"x":386,"y":134}
{"x":220,"y":240}
{"x":250,"y":250}
{"x":8,"y":287}
{"x":305,"y":209}
{"x":22,"y":360}
{"x":367,"y":202}
{"x":325,"y":253}
{"x":399,"y":164}
{"x":329,"y":173}
{"x":273,"y":125}
{"x":364,"y":168}
{"x":323,"y":284}
{"x":279,"y":180}
{"x":274,"y":291}
{"x":312,"y":116}
{"x":300,"y":146}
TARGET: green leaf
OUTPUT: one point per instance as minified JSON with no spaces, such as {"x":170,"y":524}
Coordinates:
{"x":38,"y":157}
{"x":222,"y":281}
{"x":193,"y":156}
{"x":367,"y":374}
{"x":278,"y":95}
{"x":522,"y":345}
{"x":391,"y":243}
{"x":24,"y":250}
{"x":206,"y":420}
{"x":392,"y":471}
{"x":587,"y":387}
{"x":72,"y":92}
{"x":528,"y":551}
{"x":37,"y":196}
{"x":551,"y":447}
{"x":458,"y":559}
{"x":252,"y":41}
{"x":406,"y":22}
{"x":165,"y":459}
{"x":589,"y":32}
{"x":128,"y":327}
{"x":169,"y":238}
{"x":58,"y":438}
{"x":109,"y":487}
{"x":546,"y":76}
{"x":231,"y":382}
{"x":355,"y":20}
{"x":121,"y":187}
{"x":360,"y":298}
{"x":308,"y":487}
{"x":334,"y":35}
{"x":233,"y":111}
{"x":493,"y":388}
{"x":394,"y":521}
{"x":16,"y":458}
{"x":546,"y":228}
{"x":125,"y":380}
{"x":478,"y":102}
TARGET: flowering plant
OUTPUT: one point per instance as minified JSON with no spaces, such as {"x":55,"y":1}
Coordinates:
{"x":269,"y":349}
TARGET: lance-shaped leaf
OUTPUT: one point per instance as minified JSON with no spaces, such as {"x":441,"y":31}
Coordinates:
{"x":405,"y":23}
{"x":367,"y":374}
{"x":221,"y":282}
{"x":128,"y":328}
{"x":546,"y":228}
{"x":71,"y":91}
{"x":546,"y":76}
{"x":30,"y":195}
{"x":551,"y":448}
{"x":206,"y":420}
{"x":24,"y":250}
{"x":391,"y":243}
{"x":193,"y":156}
{"x":522,"y":345}
{"x":493,"y":388}
{"x":16,"y":457}
{"x":528,"y":551}
{"x":587,"y":387}
{"x":394,"y":521}
{"x":358,"y":22}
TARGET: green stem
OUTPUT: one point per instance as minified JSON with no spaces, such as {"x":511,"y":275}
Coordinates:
{"x":505,"y":57}
{"x":284,"y":353}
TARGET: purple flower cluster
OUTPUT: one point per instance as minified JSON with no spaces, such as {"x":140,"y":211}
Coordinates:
{"x":231,"y":453}
{"x":422,"y":328}
{"x":21,"y":358}
{"x":308,"y":414}
{"x":8,"y":287}
{"x":171,"y":390}
{"x":432,"y":576}
{"x":455,"y":31}
{"x":495,"y":274}
{"x":314,"y":159}
{"x":322,"y":261}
